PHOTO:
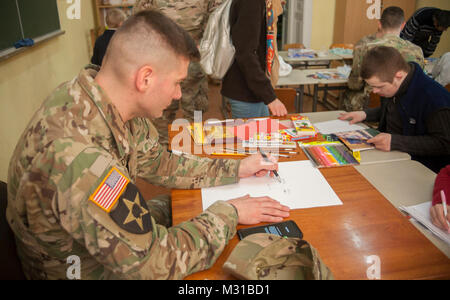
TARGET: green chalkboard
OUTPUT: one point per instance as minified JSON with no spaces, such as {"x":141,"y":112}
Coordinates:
{"x":35,"y":17}
{"x":9,"y":24}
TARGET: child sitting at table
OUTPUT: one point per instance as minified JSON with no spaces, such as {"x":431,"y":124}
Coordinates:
{"x":114,"y":19}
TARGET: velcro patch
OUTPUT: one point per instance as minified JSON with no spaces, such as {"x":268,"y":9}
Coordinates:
{"x":109,"y":191}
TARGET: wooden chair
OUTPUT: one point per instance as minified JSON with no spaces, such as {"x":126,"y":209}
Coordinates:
{"x":9,"y":260}
{"x":448,"y":87}
{"x":288,"y":96}
{"x":374,"y":101}
{"x":343,"y":46}
{"x":286,"y":47}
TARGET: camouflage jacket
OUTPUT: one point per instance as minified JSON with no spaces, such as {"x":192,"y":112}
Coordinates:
{"x":191,"y":15}
{"x":77,"y":144}
{"x":409,"y":51}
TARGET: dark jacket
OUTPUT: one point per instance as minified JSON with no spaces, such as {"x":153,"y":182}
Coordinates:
{"x":423,"y":130}
{"x":246,"y":79}
{"x":421,"y":31}
{"x":101,"y":44}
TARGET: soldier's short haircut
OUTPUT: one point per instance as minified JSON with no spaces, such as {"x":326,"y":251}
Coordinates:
{"x":392,"y":17}
{"x":383,"y":62}
{"x":171,"y":34}
{"x":442,"y":18}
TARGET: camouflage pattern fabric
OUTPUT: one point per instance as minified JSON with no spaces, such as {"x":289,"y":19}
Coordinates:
{"x":270,"y":257}
{"x":67,"y":154}
{"x":357,"y":96}
{"x":191,"y":15}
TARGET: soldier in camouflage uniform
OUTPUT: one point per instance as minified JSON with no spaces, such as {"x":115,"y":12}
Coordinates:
{"x":392,"y":21}
{"x":71,"y":180}
{"x":192,"y":15}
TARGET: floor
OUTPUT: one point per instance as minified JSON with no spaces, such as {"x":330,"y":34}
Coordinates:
{"x":150,"y":191}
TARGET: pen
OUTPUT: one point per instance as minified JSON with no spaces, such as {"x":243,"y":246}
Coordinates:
{"x":444,"y":205}
{"x":267,"y":160}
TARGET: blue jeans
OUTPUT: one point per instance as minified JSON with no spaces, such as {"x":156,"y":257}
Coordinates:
{"x":245,"y":110}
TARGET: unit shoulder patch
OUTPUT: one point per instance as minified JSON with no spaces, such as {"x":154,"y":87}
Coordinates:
{"x":131,"y":212}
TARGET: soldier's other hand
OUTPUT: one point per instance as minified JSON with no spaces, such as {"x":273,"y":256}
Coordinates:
{"x":254,"y":210}
{"x":256,"y":165}
{"x":277,"y":108}
{"x":353,"y":117}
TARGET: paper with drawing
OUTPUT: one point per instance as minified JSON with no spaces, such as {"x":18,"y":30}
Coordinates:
{"x":303,"y":186}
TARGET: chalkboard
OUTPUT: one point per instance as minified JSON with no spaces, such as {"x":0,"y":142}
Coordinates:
{"x":26,"y":19}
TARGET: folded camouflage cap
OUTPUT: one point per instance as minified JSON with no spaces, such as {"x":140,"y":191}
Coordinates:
{"x":271,"y":257}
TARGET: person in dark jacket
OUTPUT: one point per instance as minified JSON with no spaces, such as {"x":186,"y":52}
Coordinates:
{"x":414,"y":115}
{"x":425,"y":28}
{"x":114,"y":19}
{"x":247,"y":84}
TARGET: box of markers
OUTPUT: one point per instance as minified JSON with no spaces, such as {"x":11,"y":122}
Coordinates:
{"x":327,"y":154}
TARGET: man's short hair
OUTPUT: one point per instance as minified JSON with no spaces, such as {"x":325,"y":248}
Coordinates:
{"x":114,"y":17}
{"x":171,"y":35}
{"x":392,"y":17}
{"x":383,"y":62}
{"x":442,"y":18}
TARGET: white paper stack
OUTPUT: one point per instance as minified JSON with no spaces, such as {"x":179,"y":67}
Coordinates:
{"x":421,"y":213}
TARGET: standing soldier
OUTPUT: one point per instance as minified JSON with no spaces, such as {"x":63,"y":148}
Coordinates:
{"x":390,"y":26}
{"x":191,"y":15}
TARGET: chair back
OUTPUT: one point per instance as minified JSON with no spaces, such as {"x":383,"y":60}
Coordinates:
{"x":286,"y":47}
{"x":343,"y":46}
{"x":288,"y":96}
{"x":10,"y":266}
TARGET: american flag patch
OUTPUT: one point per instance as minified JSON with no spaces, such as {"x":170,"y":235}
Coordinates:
{"x":109,"y":190}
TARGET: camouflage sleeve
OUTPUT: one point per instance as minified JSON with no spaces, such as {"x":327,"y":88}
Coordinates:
{"x":355,"y":82}
{"x":158,"y":166}
{"x":154,"y":251}
{"x":142,"y":5}
{"x":213,"y":4}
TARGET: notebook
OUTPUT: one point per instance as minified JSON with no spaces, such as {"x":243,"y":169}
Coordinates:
{"x":421,"y":213}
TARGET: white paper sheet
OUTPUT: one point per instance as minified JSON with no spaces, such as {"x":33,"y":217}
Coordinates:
{"x":421,"y":213}
{"x":303,"y":186}
{"x":334,"y":126}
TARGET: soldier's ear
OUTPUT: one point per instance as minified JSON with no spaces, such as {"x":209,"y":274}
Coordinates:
{"x":144,"y":78}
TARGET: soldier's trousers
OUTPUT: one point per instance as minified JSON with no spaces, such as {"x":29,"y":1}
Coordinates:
{"x":195,"y":97}
{"x":355,"y":100}
{"x":161,"y":209}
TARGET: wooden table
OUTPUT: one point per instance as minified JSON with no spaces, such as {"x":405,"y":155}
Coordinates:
{"x":346,"y":236}
{"x":405,"y":183}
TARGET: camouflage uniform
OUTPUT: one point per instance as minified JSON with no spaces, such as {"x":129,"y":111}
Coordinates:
{"x":191,"y":15}
{"x":76,"y":145}
{"x":357,"y":96}
{"x":271,"y":257}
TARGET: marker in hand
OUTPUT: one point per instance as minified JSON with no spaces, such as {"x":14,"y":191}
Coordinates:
{"x":267,"y":160}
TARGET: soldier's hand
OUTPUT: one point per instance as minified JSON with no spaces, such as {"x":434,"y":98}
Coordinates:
{"x":256,"y":165}
{"x":254,"y":210}
{"x":353,"y":117}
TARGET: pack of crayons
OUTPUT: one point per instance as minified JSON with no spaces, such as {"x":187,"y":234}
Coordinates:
{"x":329,"y":154}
